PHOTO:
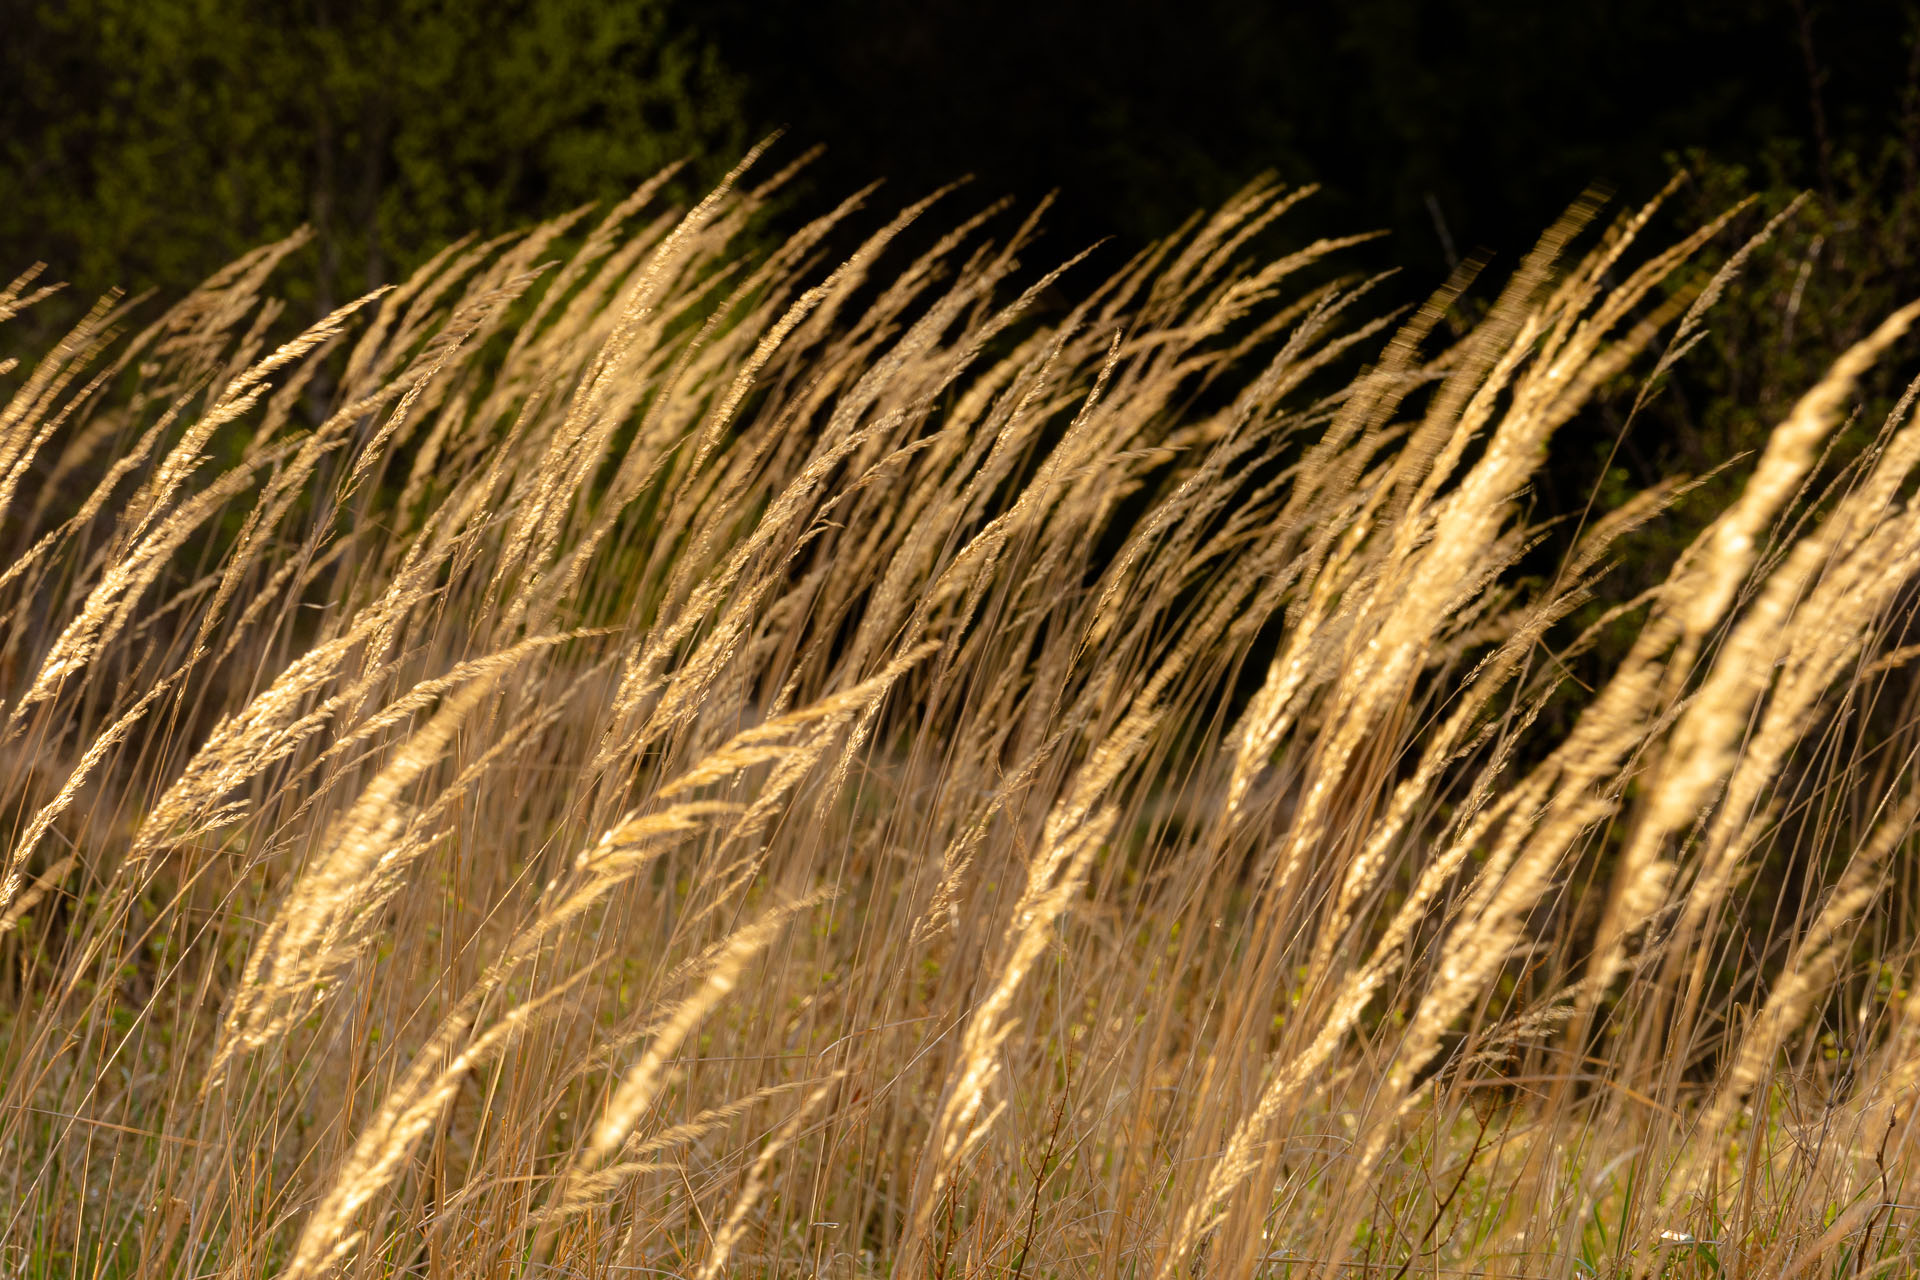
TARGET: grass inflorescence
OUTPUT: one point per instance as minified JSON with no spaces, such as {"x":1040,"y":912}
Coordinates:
{"x":646,"y":749}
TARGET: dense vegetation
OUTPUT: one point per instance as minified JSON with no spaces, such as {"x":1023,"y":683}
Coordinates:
{"x":743,"y":729}
{"x":655,"y":747}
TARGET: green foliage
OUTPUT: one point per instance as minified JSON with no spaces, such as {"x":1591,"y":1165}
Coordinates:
{"x":145,"y":142}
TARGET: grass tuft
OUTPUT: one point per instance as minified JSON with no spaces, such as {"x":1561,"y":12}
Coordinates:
{"x":642,"y":750}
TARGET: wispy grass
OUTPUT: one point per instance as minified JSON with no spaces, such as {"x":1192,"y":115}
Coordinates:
{"x":675,"y":758}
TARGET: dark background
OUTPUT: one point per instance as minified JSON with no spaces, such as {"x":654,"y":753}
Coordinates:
{"x":146,"y":142}
{"x":1495,"y":113}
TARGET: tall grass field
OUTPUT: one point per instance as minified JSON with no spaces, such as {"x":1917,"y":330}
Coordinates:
{"x":647,"y":749}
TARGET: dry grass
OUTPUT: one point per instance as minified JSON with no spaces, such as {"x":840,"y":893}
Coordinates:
{"x":623,"y":755}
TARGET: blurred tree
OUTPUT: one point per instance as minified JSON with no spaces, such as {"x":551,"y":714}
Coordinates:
{"x":145,"y":142}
